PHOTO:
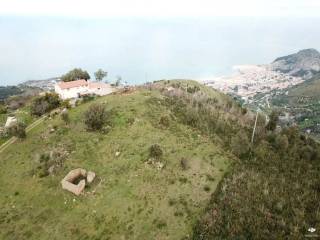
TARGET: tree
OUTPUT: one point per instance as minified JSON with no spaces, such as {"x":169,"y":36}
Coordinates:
{"x":100,"y":74}
{"x":272,"y":124}
{"x":118,"y":81}
{"x":75,"y":74}
{"x":95,"y":117}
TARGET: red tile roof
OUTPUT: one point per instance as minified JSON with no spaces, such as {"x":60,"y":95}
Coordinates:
{"x":73,"y":84}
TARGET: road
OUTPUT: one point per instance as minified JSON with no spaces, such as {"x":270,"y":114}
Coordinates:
{"x":28,"y":129}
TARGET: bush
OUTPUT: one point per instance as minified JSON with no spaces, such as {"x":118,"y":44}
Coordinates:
{"x":164,"y":121}
{"x":273,"y":121}
{"x":193,"y":89}
{"x":16,"y":102}
{"x":95,"y":117}
{"x":66,"y":104}
{"x":155,"y":151}
{"x":244,"y":111}
{"x":44,"y":104}
{"x":206,"y":188}
{"x":18,"y":130}
{"x":281,"y":143}
{"x":87,"y":98}
{"x":240,"y":144}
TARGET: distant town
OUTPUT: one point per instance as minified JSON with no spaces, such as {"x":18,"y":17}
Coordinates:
{"x":250,"y":80}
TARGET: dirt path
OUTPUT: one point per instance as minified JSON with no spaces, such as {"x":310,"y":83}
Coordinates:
{"x":28,"y":129}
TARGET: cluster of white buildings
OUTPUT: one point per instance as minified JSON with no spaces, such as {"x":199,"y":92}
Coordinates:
{"x":78,"y":88}
{"x":252,"y":79}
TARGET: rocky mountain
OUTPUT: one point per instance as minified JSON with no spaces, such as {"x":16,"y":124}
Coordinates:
{"x":305,"y":64}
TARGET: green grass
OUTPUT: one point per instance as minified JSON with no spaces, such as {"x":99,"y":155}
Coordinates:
{"x":130,"y":199}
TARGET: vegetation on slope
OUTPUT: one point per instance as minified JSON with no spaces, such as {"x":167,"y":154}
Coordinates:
{"x":273,"y":194}
{"x":167,"y":147}
{"x":303,"y":102}
{"x":8,"y":91}
{"x":131,"y":198}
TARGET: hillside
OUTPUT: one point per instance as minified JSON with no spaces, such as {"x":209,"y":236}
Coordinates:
{"x":12,"y":91}
{"x":130,"y":199}
{"x":210,"y":182}
{"x":302,"y":102}
{"x":8,"y":91}
{"x":308,"y":89}
{"x":305,"y":63}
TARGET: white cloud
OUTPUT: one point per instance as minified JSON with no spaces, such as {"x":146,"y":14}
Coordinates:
{"x":160,"y":8}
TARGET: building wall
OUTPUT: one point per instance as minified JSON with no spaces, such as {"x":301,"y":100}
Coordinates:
{"x":70,"y":92}
{"x":74,"y":92}
{"x":102,"y":91}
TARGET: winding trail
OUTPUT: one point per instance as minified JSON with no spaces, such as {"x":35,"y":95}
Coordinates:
{"x":28,"y":129}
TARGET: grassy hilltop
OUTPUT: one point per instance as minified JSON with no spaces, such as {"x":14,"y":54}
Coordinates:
{"x":130,"y":199}
{"x":214,"y":183}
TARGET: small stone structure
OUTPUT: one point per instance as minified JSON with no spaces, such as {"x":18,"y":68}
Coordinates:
{"x":10,"y":121}
{"x":69,"y":182}
{"x":90,"y":177}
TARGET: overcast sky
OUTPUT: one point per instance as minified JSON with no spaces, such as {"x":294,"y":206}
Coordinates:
{"x":161,"y":8}
{"x":148,"y":40}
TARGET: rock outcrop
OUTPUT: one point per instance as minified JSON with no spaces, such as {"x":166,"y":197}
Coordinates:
{"x":10,"y":121}
{"x":305,"y":64}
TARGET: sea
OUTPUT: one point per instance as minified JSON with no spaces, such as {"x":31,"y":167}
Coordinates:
{"x":141,"y":50}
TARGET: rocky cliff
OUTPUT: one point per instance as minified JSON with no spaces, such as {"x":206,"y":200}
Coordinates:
{"x":305,"y":63}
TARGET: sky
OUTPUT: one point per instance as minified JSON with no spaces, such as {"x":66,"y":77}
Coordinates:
{"x":150,"y":40}
{"x":163,"y":8}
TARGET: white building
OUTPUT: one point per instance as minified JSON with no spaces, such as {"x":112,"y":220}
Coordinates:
{"x":75,"y":89}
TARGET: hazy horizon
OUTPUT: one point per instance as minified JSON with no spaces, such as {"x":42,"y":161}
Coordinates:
{"x":145,"y":49}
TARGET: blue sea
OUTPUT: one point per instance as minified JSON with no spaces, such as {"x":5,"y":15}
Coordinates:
{"x":145,"y":49}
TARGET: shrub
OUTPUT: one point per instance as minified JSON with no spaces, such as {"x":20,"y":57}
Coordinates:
{"x":206,"y":188}
{"x":193,"y":89}
{"x":191,"y":117}
{"x":164,"y":121}
{"x":155,"y":151}
{"x":244,"y":111}
{"x":95,"y":117}
{"x":66,"y":104}
{"x":44,"y":104}
{"x":18,"y":130}
{"x":240,"y":143}
{"x":273,"y":121}
{"x":282,"y":143}
{"x":87,"y":98}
